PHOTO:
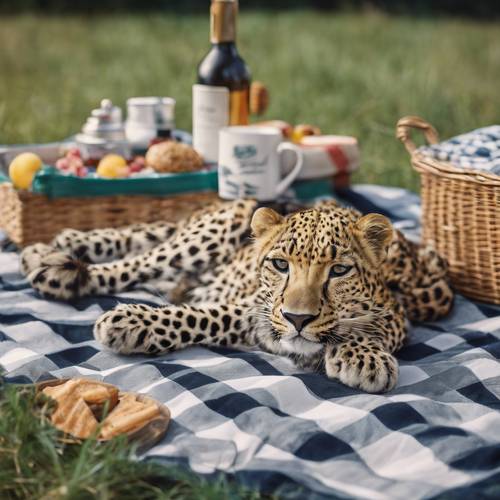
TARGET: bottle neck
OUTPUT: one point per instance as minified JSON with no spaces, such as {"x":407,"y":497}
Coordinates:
{"x":228,"y":48}
{"x":223,"y":21}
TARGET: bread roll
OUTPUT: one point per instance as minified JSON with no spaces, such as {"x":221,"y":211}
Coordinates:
{"x":173,"y":157}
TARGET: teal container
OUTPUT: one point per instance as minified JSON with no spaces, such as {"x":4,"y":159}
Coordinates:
{"x":53,"y":184}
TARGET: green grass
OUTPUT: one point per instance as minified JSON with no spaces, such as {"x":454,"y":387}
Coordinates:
{"x":37,"y":463}
{"x":347,"y":73}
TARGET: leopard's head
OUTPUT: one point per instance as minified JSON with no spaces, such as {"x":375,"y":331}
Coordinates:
{"x":320,"y":273}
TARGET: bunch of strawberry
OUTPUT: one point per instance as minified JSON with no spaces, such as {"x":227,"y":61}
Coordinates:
{"x":137,"y":165}
{"x":72,"y":163}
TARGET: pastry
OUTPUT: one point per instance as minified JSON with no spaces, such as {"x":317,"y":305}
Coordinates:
{"x":173,"y":157}
{"x":80,"y":403}
{"x":80,"y":410}
{"x":129,"y":415}
{"x":284,"y":127}
{"x":72,"y":414}
{"x":303,"y":130}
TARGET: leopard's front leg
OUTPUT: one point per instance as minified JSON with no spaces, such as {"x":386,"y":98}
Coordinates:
{"x":364,"y":365}
{"x":364,"y":359}
{"x":131,"y":328}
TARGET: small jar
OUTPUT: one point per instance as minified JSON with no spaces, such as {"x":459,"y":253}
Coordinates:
{"x":103,"y":133}
{"x":149,"y":119}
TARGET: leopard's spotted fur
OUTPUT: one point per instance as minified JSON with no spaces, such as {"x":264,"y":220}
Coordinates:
{"x":324,"y":286}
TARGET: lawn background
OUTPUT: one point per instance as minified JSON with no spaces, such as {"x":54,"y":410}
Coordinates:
{"x":348,"y":73}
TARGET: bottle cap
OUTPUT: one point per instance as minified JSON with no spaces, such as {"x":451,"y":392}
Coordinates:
{"x":223,"y":20}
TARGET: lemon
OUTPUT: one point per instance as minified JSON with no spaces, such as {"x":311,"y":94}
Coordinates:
{"x":23,"y":168}
{"x":112,"y":166}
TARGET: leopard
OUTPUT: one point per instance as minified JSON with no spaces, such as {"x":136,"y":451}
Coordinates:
{"x":331,"y":289}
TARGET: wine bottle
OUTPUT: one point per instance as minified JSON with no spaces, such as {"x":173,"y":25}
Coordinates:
{"x":221,"y":96}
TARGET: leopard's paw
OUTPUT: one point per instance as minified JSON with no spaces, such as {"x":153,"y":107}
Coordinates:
{"x":131,"y":328}
{"x":60,"y":276}
{"x":31,"y":257}
{"x":375,"y":371}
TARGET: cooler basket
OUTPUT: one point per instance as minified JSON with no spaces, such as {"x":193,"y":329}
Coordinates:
{"x":460,"y":216}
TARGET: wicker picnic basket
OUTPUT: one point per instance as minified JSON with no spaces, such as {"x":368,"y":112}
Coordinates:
{"x":31,"y":217}
{"x":460,"y":216}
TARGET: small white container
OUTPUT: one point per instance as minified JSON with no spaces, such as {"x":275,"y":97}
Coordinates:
{"x":149,"y":118}
{"x":103,"y":133}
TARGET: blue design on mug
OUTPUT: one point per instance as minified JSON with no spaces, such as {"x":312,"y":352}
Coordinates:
{"x":225,"y":171}
{"x":242,"y":152}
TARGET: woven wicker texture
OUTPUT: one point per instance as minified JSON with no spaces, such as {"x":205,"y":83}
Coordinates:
{"x":460,"y":216}
{"x":29,"y":218}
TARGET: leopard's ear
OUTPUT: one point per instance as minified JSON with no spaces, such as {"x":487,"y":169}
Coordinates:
{"x":264,"y":219}
{"x":374,"y":232}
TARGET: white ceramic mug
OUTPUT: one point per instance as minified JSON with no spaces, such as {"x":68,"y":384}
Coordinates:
{"x":251,"y":163}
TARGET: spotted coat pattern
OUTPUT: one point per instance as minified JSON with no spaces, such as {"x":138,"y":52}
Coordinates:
{"x":324,"y":286}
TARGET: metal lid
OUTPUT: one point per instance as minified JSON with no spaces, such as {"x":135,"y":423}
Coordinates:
{"x":104,"y":123}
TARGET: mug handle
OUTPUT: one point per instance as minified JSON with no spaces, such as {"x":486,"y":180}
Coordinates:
{"x":299,"y":162}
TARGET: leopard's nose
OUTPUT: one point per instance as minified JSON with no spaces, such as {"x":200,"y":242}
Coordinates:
{"x":299,"y":321}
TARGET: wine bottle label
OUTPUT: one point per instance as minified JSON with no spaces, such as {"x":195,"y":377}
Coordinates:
{"x":210,"y":114}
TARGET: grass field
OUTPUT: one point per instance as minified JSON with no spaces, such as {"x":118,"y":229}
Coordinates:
{"x":347,"y":73}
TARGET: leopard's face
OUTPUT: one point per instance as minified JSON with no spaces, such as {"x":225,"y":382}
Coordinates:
{"x":320,"y":273}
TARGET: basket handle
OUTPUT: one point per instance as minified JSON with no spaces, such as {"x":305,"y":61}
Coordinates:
{"x":403,"y":130}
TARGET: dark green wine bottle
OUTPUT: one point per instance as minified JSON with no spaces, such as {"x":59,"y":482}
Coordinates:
{"x":221,"y":95}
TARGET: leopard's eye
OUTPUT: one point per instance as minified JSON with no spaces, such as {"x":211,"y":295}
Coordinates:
{"x":280,"y":264}
{"x":339,"y":270}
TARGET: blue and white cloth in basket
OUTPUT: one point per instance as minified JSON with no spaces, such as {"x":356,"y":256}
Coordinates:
{"x":276,"y":428}
{"x":476,"y":150}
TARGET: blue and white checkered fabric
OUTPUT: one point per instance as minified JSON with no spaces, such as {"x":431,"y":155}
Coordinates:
{"x":477,"y":150}
{"x":269,"y":425}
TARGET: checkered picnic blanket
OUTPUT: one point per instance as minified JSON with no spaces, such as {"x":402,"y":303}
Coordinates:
{"x":274,"y":427}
